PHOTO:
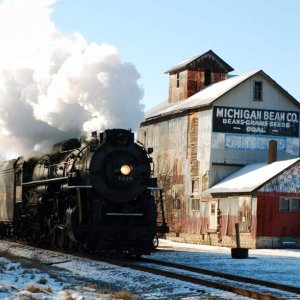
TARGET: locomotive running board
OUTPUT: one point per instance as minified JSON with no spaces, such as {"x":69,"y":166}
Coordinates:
{"x":154,"y":188}
{"x":125,"y":214}
{"x":44,"y":181}
{"x":79,"y":187}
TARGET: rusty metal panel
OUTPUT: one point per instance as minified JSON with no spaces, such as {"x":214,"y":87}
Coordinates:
{"x":169,"y":142}
{"x":193,"y":223}
{"x":288,"y":181}
{"x":7,"y":180}
{"x":236,"y":210}
{"x":204,"y":148}
{"x":192,"y":150}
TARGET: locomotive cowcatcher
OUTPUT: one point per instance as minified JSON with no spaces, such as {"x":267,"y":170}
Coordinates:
{"x":98,"y":195}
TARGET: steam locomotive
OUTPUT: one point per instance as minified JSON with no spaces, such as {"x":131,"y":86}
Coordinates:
{"x":98,"y":195}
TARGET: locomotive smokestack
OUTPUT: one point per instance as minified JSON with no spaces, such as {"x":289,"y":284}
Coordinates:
{"x":272,"y":151}
{"x":94,"y":134}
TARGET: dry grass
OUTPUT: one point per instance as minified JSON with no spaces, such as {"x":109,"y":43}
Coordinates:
{"x":29,"y":298}
{"x":124,"y":295}
{"x":69,"y":296}
{"x":35,"y":289}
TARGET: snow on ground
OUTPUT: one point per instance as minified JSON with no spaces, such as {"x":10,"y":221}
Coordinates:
{"x":267,"y":264}
{"x":63,"y":276}
{"x":20,"y":280}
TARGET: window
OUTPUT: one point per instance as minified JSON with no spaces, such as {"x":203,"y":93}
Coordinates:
{"x":207,"y":77}
{"x":258,"y":91}
{"x":177,"y":80}
{"x":289,"y":204}
{"x":195,"y":204}
{"x":213,"y":209}
{"x":195,"y":186}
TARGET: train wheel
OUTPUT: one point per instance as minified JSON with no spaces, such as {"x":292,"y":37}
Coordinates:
{"x":32,"y":234}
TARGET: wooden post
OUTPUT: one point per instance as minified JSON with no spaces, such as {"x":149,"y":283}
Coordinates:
{"x":238,"y":252}
{"x":237,"y":235}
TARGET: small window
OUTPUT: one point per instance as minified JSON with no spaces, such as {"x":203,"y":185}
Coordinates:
{"x":207,"y":77}
{"x":195,"y":204}
{"x":177,"y":80}
{"x":213,"y":209}
{"x":258,"y":91}
{"x":289,"y":204}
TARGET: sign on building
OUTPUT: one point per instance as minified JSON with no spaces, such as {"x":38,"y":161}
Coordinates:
{"x":255,"y":121}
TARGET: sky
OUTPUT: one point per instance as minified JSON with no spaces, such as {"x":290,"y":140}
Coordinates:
{"x":69,"y":67}
{"x":156,"y":35}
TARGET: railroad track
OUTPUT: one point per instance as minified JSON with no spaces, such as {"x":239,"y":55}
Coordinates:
{"x":243,"y":286}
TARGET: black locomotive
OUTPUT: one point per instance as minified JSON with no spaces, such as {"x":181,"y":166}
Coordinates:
{"x":96,"y":195}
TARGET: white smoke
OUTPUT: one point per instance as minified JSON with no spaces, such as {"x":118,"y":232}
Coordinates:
{"x":53,"y":87}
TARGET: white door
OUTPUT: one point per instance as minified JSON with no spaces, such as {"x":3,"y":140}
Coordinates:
{"x":213,"y":217}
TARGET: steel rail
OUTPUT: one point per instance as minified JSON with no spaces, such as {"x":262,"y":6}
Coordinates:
{"x":199,"y":281}
{"x":269,"y":284}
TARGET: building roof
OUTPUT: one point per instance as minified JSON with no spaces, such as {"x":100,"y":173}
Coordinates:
{"x":251,"y":177}
{"x":185,"y":63}
{"x":207,"y":96}
{"x":203,"y":98}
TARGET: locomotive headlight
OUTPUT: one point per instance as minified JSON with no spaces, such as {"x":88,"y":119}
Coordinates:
{"x":126,"y":169}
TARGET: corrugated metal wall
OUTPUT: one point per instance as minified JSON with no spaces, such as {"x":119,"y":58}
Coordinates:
{"x":169,"y":142}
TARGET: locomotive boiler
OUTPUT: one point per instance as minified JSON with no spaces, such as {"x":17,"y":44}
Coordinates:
{"x":99,"y":195}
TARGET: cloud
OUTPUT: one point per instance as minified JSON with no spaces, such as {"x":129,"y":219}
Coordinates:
{"x":53,"y":87}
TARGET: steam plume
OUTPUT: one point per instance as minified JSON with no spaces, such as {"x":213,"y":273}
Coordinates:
{"x":53,"y":87}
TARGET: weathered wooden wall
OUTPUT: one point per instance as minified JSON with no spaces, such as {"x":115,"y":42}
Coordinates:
{"x":271,"y":222}
{"x":196,"y":79}
{"x":190,"y":82}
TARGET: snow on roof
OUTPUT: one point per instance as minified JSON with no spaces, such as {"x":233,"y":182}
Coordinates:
{"x":187,"y":61}
{"x":251,"y":177}
{"x":203,"y":98}
{"x":184,"y":63}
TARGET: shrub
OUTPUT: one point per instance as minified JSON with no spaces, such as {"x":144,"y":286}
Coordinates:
{"x":35,"y":289}
{"x":124,"y":295}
